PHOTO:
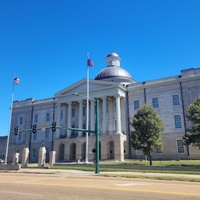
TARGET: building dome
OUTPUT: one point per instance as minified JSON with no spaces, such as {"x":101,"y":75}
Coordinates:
{"x":113,"y":54}
{"x":113,"y":71}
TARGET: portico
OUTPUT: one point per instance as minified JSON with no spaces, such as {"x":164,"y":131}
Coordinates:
{"x":111,"y":110}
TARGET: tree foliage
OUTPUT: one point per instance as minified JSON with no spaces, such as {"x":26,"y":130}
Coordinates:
{"x":193,"y":134}
{"x":147,"y":133}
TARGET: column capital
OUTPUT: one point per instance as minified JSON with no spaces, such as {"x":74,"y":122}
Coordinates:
{"x":117,"y":95}
{"x":69,"y":102}
{"x":59,"y":103}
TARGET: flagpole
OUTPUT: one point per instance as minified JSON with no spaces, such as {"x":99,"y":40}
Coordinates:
{"x":9,"y":124}
{"x":87,"y":112}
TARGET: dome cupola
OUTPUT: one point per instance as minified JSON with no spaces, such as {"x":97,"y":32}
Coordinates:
{"x":113,"y":59}
{"x":113,"y":72}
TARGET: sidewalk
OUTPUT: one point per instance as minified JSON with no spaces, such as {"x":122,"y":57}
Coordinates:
{"x":54,"y":171}
{"x":168,"y":176}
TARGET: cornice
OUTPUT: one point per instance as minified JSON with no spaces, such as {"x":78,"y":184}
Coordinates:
{"x":162,"y":82}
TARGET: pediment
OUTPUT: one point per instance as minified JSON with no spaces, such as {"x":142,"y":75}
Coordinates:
{"x":81,"y":87}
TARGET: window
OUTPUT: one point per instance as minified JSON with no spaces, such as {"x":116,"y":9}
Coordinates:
{"x":20,"y":136}
{"x":47,"y":117}
{"x":2,"y":156}
{"x":21,"y":120}
{"x":109,"y":62}
{"x":155,"y":103}
{"x":84,"y":109}
{"x":159,"y":151}
{"x":34,"y":153}
{"x":61,"y":114}
{"x":115,"y":125}
{"x":180,"y":147}
{"x":34,"y":136}
{"x":35,"y":118}
{"x":115,"y":106}
{"x":136,"y":104}
{"x":73,"y":112}
{"x":139,"y":152}
{"x":175,"y":99}
{"x":84,"y":127}
{"x":74,"y":133}
{"x":47,"y":133}
{"x":177,"y":121}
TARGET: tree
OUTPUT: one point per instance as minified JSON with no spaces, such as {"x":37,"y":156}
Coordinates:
{"x":147,"y":133}
{"x":193,"y":134}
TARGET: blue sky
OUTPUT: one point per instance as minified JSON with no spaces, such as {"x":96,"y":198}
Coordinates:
{"x":44,"y":42}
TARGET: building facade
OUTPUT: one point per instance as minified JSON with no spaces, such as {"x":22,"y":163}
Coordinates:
{"x":119,"y":97}
{"x":3,"y":144}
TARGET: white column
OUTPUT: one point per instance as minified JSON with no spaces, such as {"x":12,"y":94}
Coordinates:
{"x":118,"y":115}
{"x":69,"y":118}
{"x":80,"y":123}
{"x":110,"y":115}
{"x":104,"y":123}
{"x":92,"y":116}
{"x":58,"y":120}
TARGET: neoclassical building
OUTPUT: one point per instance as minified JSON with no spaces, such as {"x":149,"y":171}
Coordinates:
{"x":119,"y":97}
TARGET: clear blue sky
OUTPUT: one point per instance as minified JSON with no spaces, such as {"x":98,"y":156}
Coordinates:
{"x":44,"y":42}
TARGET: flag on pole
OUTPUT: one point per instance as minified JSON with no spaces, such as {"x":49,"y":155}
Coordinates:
{"x":16,"y":80}
{"x":90,"y":63}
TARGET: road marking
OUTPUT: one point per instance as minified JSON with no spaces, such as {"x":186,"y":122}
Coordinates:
{"x":113,"y":188}
{"x":129,"y":184}
{"x":22,"y":193}
{"x":32,"y":180}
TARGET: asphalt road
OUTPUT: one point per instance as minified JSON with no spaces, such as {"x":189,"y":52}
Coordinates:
{"x":71,"y":186}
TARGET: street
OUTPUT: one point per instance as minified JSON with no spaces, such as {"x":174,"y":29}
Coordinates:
{"x":30,"y":186}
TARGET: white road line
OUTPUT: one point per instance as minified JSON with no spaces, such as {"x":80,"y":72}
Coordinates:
{"x":129,"y":184}
{"x":22,"y":193}
{"x":32,"y":180}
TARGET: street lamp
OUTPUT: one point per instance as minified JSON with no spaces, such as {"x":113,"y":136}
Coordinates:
{"x":97,"y":171}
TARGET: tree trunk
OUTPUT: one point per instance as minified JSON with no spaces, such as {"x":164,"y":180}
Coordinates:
{"x":150,"y":159}
{"x":188,"y":151}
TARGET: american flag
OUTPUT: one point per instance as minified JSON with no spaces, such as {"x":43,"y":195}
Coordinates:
{"x":16,"y":80}
{"x":90,"y":63}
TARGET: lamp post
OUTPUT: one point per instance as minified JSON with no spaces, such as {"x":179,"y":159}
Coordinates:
{"x":97,"y":171}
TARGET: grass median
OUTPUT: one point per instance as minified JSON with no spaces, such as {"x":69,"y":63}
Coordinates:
{"x":142,"y":169}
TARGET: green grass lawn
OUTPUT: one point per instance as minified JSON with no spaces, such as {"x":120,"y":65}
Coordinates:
{"x":164,"y":163}
{"x":172,"y":166}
